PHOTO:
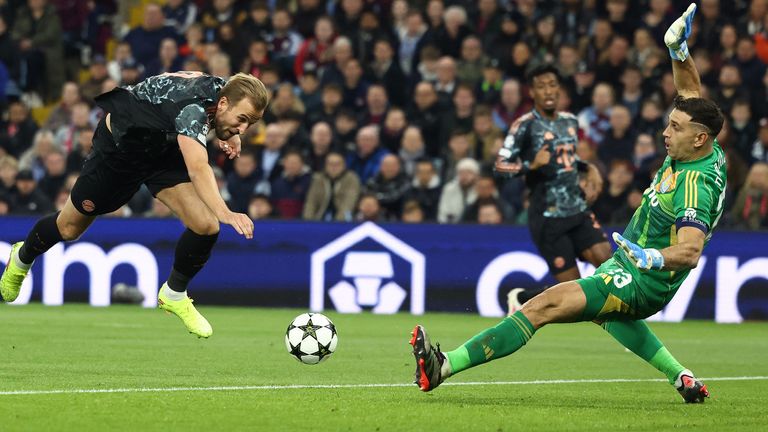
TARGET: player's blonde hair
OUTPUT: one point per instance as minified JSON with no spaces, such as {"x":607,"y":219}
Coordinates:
{"x":243,"y":85}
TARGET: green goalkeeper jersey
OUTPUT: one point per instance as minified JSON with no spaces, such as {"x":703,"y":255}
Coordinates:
{"x":681,"y":194}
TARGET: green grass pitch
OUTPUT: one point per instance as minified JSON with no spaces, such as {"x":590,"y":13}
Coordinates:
{"x":77,"y":347}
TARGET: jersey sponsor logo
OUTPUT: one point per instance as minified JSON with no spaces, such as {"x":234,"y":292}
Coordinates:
{"x":668,"y":181}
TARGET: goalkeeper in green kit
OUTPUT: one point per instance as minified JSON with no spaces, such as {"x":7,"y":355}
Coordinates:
{"x":661,"y":244}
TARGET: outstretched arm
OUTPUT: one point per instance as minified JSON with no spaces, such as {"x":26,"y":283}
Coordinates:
{"x":687,"y":80}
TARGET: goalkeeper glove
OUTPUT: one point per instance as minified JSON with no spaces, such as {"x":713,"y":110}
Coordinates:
{"x":646,"y":259}
{"x":677,"y":34}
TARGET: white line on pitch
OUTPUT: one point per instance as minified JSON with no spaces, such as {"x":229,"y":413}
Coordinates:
{"x":351,"y":386}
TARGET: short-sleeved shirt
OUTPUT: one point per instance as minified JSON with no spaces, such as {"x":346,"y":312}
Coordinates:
{"x":152,"y":113}
{"x":555,"y":190}
{"x":682,"y":194}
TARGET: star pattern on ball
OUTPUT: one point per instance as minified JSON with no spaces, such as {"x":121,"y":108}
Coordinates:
{"x":309,"y":329}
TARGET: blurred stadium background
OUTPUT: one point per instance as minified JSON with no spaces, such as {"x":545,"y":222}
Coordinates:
{"x":352,"y":174}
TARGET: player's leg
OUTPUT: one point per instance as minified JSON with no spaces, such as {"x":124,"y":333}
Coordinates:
{"x":550,"y":235}
{"x":636,"y":336}
{"x":562,"y":303}
{"x":66,"y":225}
{"x":192,"y":252}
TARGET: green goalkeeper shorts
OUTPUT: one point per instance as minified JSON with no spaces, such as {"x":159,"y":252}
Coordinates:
{"x":618,"y":292}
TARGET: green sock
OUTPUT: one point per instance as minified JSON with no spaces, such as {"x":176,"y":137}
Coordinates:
{"x":640,"y":339}
{"x":496,"y":342}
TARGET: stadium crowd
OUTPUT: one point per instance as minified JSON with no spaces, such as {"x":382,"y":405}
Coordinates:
{"x":385,"y":110}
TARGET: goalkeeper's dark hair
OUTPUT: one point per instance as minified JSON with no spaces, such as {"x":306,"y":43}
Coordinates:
{"x":541,"y":70}
{"x":702,"y":111}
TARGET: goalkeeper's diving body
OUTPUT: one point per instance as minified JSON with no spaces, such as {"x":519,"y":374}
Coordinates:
{"x":659,"y":247}
{"x":156,"y":133}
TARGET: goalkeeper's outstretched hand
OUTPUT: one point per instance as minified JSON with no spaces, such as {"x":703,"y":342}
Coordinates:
{"x":677,"y":34}
{"x":645,"y":259}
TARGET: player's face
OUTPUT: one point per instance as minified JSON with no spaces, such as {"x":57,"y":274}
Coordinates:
{"x":682,"y":137}
{"x":234,"y":119}
{"x":545,"y":92}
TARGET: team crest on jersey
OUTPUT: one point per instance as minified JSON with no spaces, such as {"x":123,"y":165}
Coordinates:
{"x":668,"y":181}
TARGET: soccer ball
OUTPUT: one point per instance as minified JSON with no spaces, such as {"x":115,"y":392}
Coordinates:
{"x":311,"y":338}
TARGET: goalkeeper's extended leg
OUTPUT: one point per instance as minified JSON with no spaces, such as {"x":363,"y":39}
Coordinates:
{"x":640,"y":339}
{"x":562,"y":303}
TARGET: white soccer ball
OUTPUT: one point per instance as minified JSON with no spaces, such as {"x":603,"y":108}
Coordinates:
{"x":311,"y":338}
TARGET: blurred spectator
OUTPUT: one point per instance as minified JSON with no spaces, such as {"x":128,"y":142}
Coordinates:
{"x":743,"y":129}
{"x":752,"y":22}
{"x":658,"y":19}
{"x":760,"y":146}
{"x":544,"y":40}
{"x":392,"y":129}
{"x":752,"y":68}
{"x":296,"y":135}
{"x":180,"y":14}
{"x":83,"y":147}
{"x":489,"y":88}
{"x":219,"y":65}
{"x":459,"y":192}
{"x":511,"y":106}
{"x":451,"y":34}
{"x":470,"y":67}
{"x":412,"y":39}
{"x":33,"y":158}
{"x":426,"y":68}
{"x":583,"y":86}
{"x":37,"y":30}
{"x":619,"y":140}
{"x":751,"y":208}
{"x":333,"y":193}
{"x":270,"y":154}
{"x":9,"y":167}
{"x":711,"y":23}
{"x":5,"y":204}
{"x":729,"y":37}
{"x":256,"y":59}
{"x":167,"y":61}
{"x":489,"y":213}
{"x":460,"y":117}
{"x":345,"y":127}
{"x":632,"y":91}
{"x":485,"y":191}
{"x":446,"y":82}
{"x":370,"y":31}
{"x":426,"y":115}
{"x":315,"y":52}
{"x":620,"y":17}
{"x":411,"y":149}
{"x":598,"y":41}
{"x":458,"y":149}
{"x":483,"y":135}
{"x":389,"y":186}
{"x":67,"y":135}
{"x":412,"y":212}
{"x":425,"y":188}
{"x":260,"y":207}
{"x":644,"y":155}
{"x":306,"y":14}
{"x":386,"y":71}
{"x":501,"y":44}
{"x":650,"y":121}
{"x":62,"y":112}
{"x":290,"y":189}
{"x":366,"y":159}
{"x":257,"y":25}
{"x":642,"y":47}
{"x":55,"y":174}
{"x":615,"y":195}
{"x":283,"y":41}
{"x":369,"y":210}
{"x":220,"y":13}
{"x":122,"y":54}
{"x":309,"y":92}
{"x":27,"y":199}
{"x":97,"y":75}
{"x":321,"y":144}
{"x":145,"y":40}
{"x":285,"y":100}
{"x":242,"y":181}
{"x":330,"y":99}
{"x":17,"y":133}
{"x":341,"y":51}
{"x":595,"y":119}
{"x":730,"y":88}
{"x":376,"y":105}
